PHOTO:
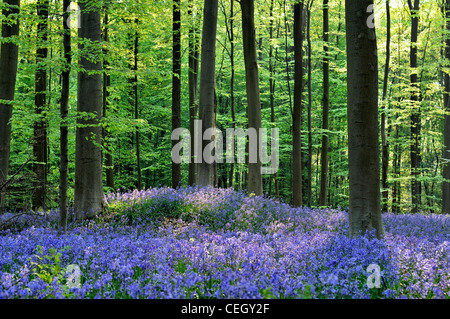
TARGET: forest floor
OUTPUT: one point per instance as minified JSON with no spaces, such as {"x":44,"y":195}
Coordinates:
{"x":219,"y":243}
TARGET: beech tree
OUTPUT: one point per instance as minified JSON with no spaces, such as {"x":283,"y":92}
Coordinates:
{"x":136,"y":103}
{"x":325,"y":109}
{"x":64,"y":111}
{"x":384,"y":145}
{"x":207,"y":88}
{"x":416,"y":186}
{"x":310,"y":142}
{"x":231,"y":38}
{"x":446,"y":156}
{"x":193,"y":86}
{"x":252,"y":86}
{"x":8,"y":72}
{"x":297,"y":114}
{"x":40,"y":125}
{"x":176,"y":84}
{"x":362,"y":114}
{"x":109,"y":168}
{"x":88,"y":158}
{"x":272,"y":91}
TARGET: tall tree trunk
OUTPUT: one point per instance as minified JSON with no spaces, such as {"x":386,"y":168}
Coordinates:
{"x":176,"y":85}
{"x":8,"y":70}
{"x":297,"y":111}
{"x":308,"y":36}
{"x":233,"y":75}
{"x":395,"y":207}
{"x":136,"y":105}
{"x":207,"y":88}
{"x":63,"y":129}
{"x":40,"y":125}
{"x":288,"y":82}
{"x":272,"y":92}
{"x":193,"y":88}
{"x":416,"y":189}
{"x":89,"y":194}
{"x":362,"y":95}
{"x":215,"y":173}
{"x":325,"y":109}
{"x":253,"y":98}
{"x":109,"y":170}
{"x":446,"y":156}
{"x":286,"y":57}
{"x":397,"y":191}
{"x":384,"y":145}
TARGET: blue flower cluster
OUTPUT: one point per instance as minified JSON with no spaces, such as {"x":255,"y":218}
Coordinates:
{"x":218,"y":243}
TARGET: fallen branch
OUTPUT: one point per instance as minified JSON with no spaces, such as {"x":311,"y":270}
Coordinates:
{"x":10,"y":221}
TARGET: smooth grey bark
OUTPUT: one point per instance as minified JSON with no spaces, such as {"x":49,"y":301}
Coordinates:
{"x":233,"y":75}
{"x":416,"y":187}
{"x":384,"y":145}
{"x":325,"y":109}
{"x":310,"y":151}
{"x":109,"y":169}
{"x":193,"y":88}
{"x":215,"y":171}
{"x":63,"y":129}
{"x":207,"y":87}
{"x":89,"y":194}
{"x":362,"y":114}
{"x":287,"y":49}
{"x":8,"y":72}
{"x":136,"y":105}
{"x":40,"y":125}
{"x":272,"y":94}
{"x":297,"y":184}
{"x":176,"y":84}
{"x":446,"y":156}
{"x":395,"y":207}
{"x":230,"y":32}
{"x":252,"y":87}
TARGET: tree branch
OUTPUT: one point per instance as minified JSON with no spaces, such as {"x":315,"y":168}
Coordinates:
{"x":2,"y":187}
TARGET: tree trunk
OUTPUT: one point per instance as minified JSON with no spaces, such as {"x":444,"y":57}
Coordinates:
{"x":384,"y":145}
{"x":40,"y":125}
{"x":89,"y":194}
{"x":207,"y":88}
{"x":233,"y":74}
{"x":395,"y":207}
{"x":308,"y":36}
{"x":272,"y":93}
{"x":64,"y":131}
{"x":416,"y":191}
{"x":325,"y":110}
{"x":288,"y":81}
{"x":136,"y":105}
{"x":362,"y":94}
{"x":193,"y":89}
{"x":297,"y":111}
{"x":286,"y":58}
{"x":8,"y":70}
{"x":176,"y":85}
{"x":446,"y":156}
{"x":215,"y":173}
{"x":109,"y":170}
{"x":253,"y":98}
